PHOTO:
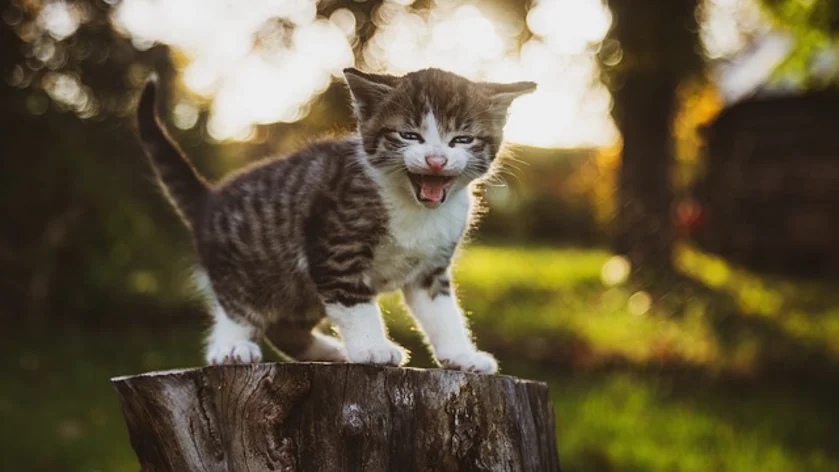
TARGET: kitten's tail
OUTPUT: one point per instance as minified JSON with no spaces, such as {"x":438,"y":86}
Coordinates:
{"x":184,"y":187}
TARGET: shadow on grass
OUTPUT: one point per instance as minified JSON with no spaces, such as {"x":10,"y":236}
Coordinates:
{"x":770,"y":349}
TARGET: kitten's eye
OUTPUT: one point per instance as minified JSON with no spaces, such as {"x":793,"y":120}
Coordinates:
{"x":461,"y":140}
{"x":410,"y":136}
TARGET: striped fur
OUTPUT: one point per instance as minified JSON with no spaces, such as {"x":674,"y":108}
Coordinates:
{"x":287,"y":242}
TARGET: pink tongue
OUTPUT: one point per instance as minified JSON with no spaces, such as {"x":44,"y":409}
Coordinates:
{"x":432,"y":189}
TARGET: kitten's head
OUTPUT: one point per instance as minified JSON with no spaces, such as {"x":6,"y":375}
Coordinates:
{"x":431,"y":132}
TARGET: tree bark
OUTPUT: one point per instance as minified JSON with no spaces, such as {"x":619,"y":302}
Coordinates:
{"x":337,"y":417}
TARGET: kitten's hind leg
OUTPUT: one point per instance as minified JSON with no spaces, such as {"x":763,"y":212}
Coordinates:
{"x":231,"y":341}
{"x":305,"y":344}
{"x":324,"y":348}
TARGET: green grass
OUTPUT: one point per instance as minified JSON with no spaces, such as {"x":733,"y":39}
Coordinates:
{"x":57,"y":408}
{"x":643,"y":422}
{"x":726,"y":371}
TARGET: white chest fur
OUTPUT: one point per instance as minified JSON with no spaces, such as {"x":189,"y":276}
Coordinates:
{"x":419,"y":239}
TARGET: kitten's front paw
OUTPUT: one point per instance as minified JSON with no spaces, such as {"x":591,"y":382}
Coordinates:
{"x":479,"y":362}
{"x":380,"y":354}
{"x":238,"y":352}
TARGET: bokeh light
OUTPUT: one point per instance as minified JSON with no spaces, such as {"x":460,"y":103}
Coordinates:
{"x":296,"y":57}
{"x":60,"y":19}
{"x":298,"y":54}
{"x":268,"y":62}
{"x":639,"y":303}
{"x":569,"y":109}
{"x":615,"y":271}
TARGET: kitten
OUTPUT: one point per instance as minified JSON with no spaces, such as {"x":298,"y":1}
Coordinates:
{"x":287,"y":242}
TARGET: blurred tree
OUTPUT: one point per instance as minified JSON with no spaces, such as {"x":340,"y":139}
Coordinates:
{"x":83,"y":237}
{"x":651,"y":49}
{"x":651,"y":52}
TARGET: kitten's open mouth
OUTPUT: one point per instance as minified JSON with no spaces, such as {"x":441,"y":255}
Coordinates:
{"x":431,"y":190}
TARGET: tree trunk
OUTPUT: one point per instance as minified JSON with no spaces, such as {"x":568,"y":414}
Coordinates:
{"x":337,"y":417}
{"x":653,"y":47}
{"x":645,"y":233}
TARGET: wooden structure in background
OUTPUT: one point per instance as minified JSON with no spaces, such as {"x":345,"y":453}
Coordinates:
{"x":770,"y":195}
{"x":337,"y":417}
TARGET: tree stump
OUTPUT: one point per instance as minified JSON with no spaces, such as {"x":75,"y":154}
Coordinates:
{"x":337,"y":417}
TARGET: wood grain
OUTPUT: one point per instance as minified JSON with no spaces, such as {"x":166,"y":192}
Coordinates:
{"x":337,"y":417}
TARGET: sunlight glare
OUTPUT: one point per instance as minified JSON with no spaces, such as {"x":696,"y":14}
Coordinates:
{"x":463,"y":40}
{"x":251,"y":83}
{"x":569,"y":26}
{"x":729,"y":25}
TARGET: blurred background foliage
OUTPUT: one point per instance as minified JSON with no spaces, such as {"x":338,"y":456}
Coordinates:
{"x":599,"y":267}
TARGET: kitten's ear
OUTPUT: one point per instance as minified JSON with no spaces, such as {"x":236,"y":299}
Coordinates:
{"x":502,"y":95}
{"x":367,"y":90}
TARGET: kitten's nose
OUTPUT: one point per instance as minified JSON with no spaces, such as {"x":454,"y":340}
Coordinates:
{"x":435,"y":163}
